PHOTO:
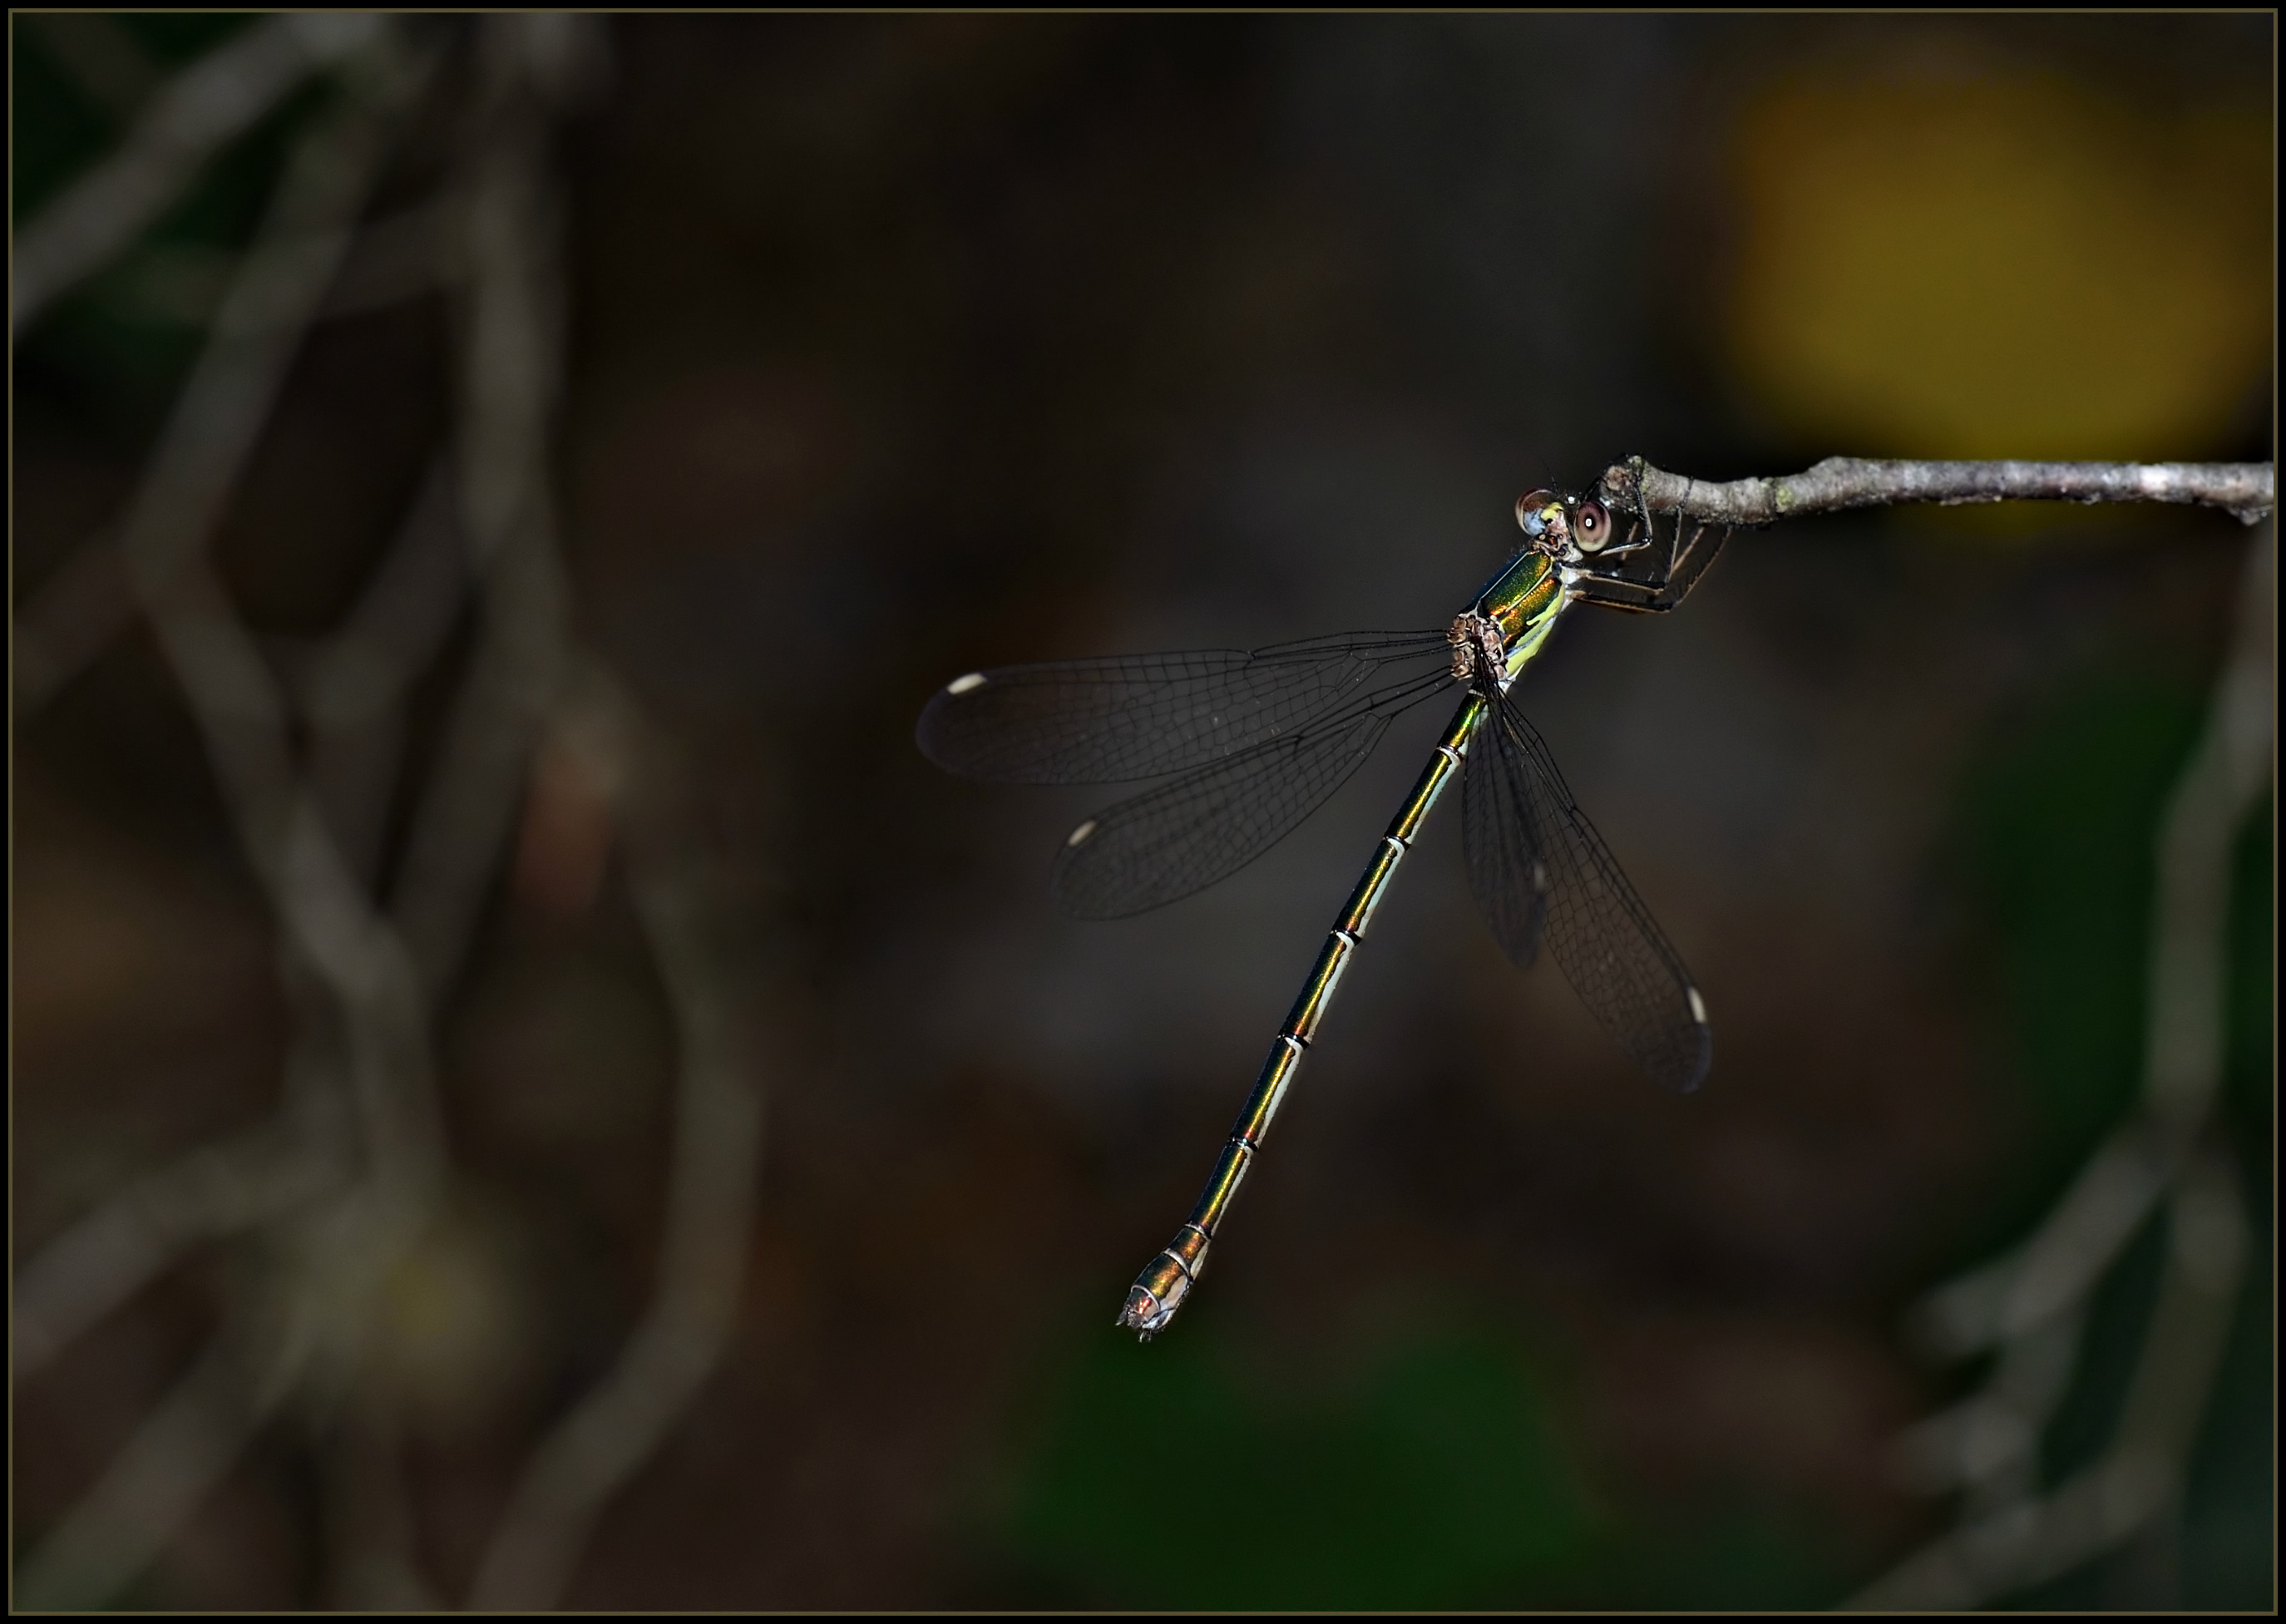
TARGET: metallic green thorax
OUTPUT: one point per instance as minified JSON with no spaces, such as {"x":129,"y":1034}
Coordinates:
{"x":1524,"y":600}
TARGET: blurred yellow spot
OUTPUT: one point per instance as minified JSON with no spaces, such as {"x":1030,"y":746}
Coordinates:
{"x":1935,"y":262}
{"x":450,"y":1335}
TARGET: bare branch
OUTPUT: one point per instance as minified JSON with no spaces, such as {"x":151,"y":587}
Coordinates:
{"x":2206,"y":1258}
{"x":2219,"y":786}
{"x":712,"y":1180}
{"x":359,"y":1153}
{"x":510,"y":376}
{"x":376,"y":1566}
{"x":461,"y":825}
{"x":208,"y":105}
{"x":98,"y":1263}
{"x":170,"y":1465}
{"x":397,"y":258}
{"x":271,"y":303}
{"x":334,"y":1260}
{"x":353,"y":690}
{"x":1990,"y":1443}
{"x":232,"y":694}
{"x":2032,"y":1539}
{"x":508,"y":391}
{"x":2246,"y":490}
{"x":83,"y":604}
{"x":2031,"y":1304}
{"x":87,"y":601}
{"x":2053,"y":1271}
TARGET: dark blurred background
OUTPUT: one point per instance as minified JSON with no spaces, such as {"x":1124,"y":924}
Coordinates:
{"x":893,"y":347}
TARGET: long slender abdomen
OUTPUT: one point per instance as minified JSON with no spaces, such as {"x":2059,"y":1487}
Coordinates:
{"x":1162,"y":1287}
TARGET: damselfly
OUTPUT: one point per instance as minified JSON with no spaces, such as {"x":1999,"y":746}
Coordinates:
{"x":1252,"y":743}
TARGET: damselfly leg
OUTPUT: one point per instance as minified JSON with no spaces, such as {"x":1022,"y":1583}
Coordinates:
{"x":1667,"y":584}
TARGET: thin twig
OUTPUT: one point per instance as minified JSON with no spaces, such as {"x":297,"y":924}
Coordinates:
{"x":2245,"y":490}
{"x":206,"y":106}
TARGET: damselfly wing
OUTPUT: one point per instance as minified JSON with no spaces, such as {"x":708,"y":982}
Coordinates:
{"x":1245,"y":744}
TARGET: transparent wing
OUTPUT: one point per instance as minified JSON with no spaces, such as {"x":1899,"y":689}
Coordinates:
{"x":1183,"y":835}
{"x":1141,"y":715}
{"x":1541,"y":872}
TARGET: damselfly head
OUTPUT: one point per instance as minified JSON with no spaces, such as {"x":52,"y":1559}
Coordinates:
{"x":1565,"y":528}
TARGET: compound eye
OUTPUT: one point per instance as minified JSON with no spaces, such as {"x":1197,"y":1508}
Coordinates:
{"x":1591,"y":527}
{"x":1529,"y":508}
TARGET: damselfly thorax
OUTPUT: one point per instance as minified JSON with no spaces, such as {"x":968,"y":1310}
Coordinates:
{"x":1250,"y":742}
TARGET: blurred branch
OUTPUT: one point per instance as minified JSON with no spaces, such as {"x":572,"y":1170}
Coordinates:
{"x":712,"y":1183}
{"x":237,"y":703}
{"x":98,"y":1263}
{"x":87,"y":601}
{"x":173,"y":1462}
{"x":196,"y":1433}
{"x":2052,"y":1273}
{"x":2030,"y":1306}
{"x":512,"y":373}
{"x":508,"y":379}
{"x":377,"y":1567}
{"x":398,"y":257}
{"x":101,"y":57}
{"x":352,"y":692}
{"x":205,"y":107}
{"x":2246,"y":490}
{"x":84,"y":604}
{"x":2030,"y":1540}
{"x":339,"y":1188}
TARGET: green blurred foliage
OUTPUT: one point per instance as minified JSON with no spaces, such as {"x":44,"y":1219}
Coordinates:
{"x":2230,"y":1508}
{"x":2060,"y":828}
{"x":2251,"y":1085}
{"x":1167,"y":1478}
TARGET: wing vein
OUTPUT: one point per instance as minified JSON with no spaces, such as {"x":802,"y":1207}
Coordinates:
{"x":1136,"y":716}
{"x":1541,"y":872}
